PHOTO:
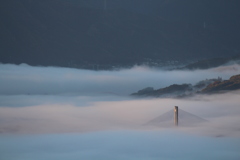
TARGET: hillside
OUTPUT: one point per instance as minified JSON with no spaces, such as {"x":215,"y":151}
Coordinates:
{"x":207,"y":86}
{"x":228,"y":85}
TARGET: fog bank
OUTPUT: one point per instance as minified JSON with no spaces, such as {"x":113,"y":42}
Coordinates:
{"x":127,"y":145}
{"x":24,"y":79}
{"x":87,"y":114}
{"x":63,"y":113}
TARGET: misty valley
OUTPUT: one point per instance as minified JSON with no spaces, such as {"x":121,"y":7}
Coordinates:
{"x":91,"y":114}
{"x":119,"y":80}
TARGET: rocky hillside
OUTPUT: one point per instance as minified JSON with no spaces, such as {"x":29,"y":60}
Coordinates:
{"x":175,"y":90}
{"x":232,"y":84}
{"x":203,"y":87}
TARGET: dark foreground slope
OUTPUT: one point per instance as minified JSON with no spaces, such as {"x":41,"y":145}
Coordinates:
{"x":55,"y":32}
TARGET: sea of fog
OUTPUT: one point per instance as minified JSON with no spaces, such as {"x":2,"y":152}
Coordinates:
{"x":51,"y":113}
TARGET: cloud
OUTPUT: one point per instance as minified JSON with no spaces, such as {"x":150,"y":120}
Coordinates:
{"x":62,"y":113}
{"x":60,"y":100}
{"x":70,"y":115}
{"x":127,"y":145}
{"x":24,"y":79}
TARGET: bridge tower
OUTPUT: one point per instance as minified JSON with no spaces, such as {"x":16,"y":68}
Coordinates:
{"x":176,"y":115}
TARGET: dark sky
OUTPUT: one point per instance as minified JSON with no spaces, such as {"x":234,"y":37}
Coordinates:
{"x":128,"y":32}
{"x":224,"y":13}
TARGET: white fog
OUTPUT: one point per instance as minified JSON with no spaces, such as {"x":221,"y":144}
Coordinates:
{"x":64,"y":113}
